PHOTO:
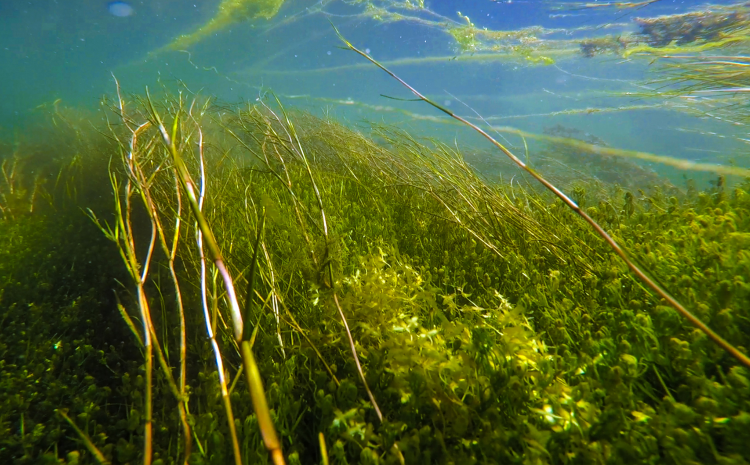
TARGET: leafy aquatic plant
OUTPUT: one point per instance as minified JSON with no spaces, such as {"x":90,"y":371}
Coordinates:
{"x":486,"y":321}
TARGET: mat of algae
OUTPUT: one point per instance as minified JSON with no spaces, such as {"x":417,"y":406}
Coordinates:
{"x":406,"y":300}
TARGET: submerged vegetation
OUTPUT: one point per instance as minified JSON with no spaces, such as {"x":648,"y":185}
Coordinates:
{"x":711,"y":27}
{"x":186,"y":281}
{"x":714,"y":85}
{"x":229,"y":12}
{"x":489,"y":323}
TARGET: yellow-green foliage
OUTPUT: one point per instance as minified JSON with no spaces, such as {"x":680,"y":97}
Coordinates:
{"x":230,"y":12}
{"x":446,"y":365}
{"x":522,"y":43}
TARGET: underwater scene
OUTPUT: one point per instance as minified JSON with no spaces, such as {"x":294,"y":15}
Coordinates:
{"x":374,"y":232}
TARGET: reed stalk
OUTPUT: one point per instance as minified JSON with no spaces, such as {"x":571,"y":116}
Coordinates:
{"x":122,"y":234}
{"x":214,"y":254}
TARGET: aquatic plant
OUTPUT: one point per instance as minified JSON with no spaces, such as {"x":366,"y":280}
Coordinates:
{"x":483,"y":319}
{"x":602,"y":45}
{"x":567,"y":163}
{"x":229,"y":12}
{"x":712,"y":86}
{"x":399,"y":304}
{"x":30,"y":179}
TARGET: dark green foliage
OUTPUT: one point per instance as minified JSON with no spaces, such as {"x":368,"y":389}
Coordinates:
{"x":62,"y":342}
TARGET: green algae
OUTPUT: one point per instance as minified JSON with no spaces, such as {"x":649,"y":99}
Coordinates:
{"x":229,"y":12}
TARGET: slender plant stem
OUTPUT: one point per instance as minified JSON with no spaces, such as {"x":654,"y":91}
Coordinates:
{"x":210,"y":325}
{"x":356,"y":358}
{"x":85,"y":438}
{"x":270,"y":439}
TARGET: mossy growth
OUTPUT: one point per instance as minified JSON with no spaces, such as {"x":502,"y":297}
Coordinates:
{"x":491,"y":325}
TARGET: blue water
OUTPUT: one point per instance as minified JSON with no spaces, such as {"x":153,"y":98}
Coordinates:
{"x":68,"y":51}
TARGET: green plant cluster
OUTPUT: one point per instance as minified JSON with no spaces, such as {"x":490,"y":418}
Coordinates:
{"x":61,"y":339}
{"x":491,"y":324}
{"x":62,"y":345}
{"x":460,"y":383}
{"x":602,"y":45}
